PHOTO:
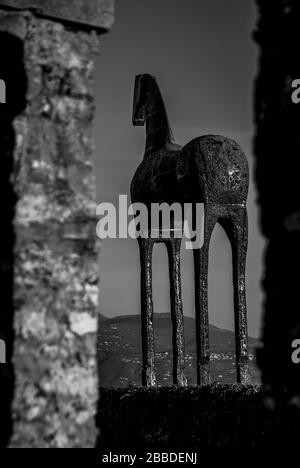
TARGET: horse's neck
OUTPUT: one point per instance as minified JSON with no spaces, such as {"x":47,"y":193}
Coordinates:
{"x":158,"y":132}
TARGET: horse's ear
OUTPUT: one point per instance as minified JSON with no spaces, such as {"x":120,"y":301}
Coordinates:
{"x":138,"y":115}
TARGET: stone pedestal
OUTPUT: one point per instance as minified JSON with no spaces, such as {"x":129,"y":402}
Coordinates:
{"x":49,"y":259}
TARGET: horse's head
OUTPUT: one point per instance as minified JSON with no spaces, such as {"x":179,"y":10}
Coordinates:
{"x":143,"y":83}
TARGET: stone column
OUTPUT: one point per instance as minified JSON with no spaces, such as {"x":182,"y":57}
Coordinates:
{"x":277,"y":148}
{"x":49,"y":259}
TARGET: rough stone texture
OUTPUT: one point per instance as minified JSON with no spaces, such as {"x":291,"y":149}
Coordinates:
{"x":13,"y":72}
{"x":277,"y":147}
{"x":92,"y":13}
{"x":56,"y":267}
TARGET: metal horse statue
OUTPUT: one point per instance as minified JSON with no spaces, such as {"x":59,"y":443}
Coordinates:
{"x":212,"y":170}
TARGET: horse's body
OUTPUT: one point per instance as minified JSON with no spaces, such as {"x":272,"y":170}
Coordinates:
{"x":211,"y":170}
{"x":155,"y":178}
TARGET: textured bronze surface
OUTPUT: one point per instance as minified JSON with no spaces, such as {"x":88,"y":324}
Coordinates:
{"x":212,"y":170}
{"x":96,"y":14}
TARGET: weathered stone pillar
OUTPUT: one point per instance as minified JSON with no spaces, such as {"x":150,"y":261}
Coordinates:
{"x":277,"y":147}
{"x":50,"y":259}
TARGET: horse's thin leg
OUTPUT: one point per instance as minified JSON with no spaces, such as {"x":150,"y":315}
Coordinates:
{"x":173,"y":246}
{"x":148,"y":372}
{"x":240,"y":245}
{"x":201,"y":302}
{"x":237,"y":231}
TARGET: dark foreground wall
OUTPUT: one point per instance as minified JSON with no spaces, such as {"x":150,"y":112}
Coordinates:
{"x":179,"y":419}
{"x":49,"y":251}
{"x":277,"y":149}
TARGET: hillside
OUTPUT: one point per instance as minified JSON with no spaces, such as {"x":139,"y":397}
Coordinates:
{"x":119,"y":351}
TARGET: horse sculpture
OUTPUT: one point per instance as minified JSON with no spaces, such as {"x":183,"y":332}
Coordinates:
{"x":212,"y":170}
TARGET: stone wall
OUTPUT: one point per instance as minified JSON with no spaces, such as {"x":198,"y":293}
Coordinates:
{"x":50,"y":262}
{"x":277,"y":148}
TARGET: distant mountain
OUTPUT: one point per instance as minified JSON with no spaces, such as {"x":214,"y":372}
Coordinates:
{"x":119,"y":351}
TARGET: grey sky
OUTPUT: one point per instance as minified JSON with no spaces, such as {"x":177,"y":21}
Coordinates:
{"x":204,"y":59}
